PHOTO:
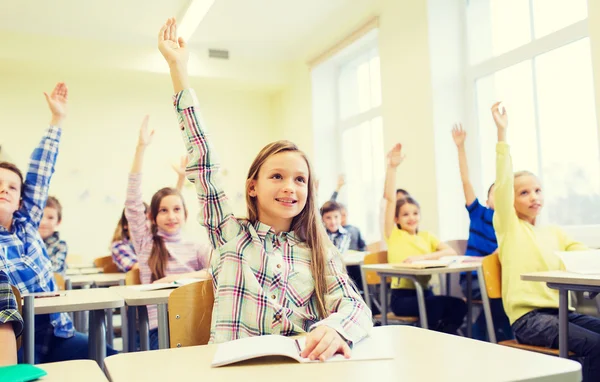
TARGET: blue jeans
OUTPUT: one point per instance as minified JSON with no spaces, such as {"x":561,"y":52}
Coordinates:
{"x":49,"y":348}
{"x":153,"y":339}
{"x":444,"y":313}
{"x":499,"y":318}
{"x":540,"y":328}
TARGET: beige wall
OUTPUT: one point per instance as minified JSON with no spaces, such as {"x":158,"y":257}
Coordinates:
{"x":106,"y":108}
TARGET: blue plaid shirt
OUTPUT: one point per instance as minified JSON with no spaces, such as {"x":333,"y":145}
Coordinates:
{"x":23,"y":254}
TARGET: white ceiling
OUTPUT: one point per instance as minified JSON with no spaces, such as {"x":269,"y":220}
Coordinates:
{"x":257,"y":32}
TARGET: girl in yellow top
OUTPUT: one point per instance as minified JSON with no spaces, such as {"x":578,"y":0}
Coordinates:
{"x":525,"y":246}
{"x":407,"y":244}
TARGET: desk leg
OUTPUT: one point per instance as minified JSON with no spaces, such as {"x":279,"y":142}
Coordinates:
{"x":421,"y":301}
{"x":486,"y":306}
{"x":470,"y":304}
{"x":124,"y":328}
{"x":365,"y":286}
{"x":110,"y":332}
{"x":132,"y":328}
{"x":144,"y":331}
{"x":29,"y":330}
{"x":563,"y":323}
{"x":383,"y":300}
{"x":163,"y":326}
{"x":97,"y":337}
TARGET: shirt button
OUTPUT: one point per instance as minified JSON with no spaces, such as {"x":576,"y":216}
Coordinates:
{"x":279,"y":266}
{"x":278,"y":317}
{"x":273,"y":297}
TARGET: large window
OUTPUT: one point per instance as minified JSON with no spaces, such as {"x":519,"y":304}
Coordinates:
{"x":534,"y":55}
{"x":361,"y":138}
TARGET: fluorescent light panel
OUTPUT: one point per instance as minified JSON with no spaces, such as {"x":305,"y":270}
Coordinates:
{"x":193,"y":16}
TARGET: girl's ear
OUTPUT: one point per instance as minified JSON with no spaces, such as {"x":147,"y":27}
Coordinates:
{"x":251,"y":187}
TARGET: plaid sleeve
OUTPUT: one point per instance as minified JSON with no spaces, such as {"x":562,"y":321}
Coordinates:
{"x":8,"y":306}
{"x":58,"y":256}
{"x":348,"y":313}
{"x":37,"y":179}
{"x":123,"y":255}
{"x":202,"y":170}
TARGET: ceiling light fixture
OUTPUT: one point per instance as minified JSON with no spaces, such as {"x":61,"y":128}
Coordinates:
{"x":192,"y":17}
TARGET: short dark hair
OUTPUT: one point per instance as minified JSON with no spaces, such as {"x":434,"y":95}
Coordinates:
{"x":11,"y":167}
{"x":330,"y":206}
{"x":402,"y":191}
{"x":52,"y":202}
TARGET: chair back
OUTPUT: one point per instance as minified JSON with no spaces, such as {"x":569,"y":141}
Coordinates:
{"x":132,"y":277}
{"x":106,"y":264}
{"x":17,"y":294}
{"x":492,"y":273}
{"x":374,"y":247}
{"x":60,"y":281}
{"x":190,"y":313}
{"x":371,"y":277}
{"x":460,"y":246}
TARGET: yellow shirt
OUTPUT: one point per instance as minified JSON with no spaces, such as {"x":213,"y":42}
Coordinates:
{"x":402,"y":245}
{"x":524,"y":248}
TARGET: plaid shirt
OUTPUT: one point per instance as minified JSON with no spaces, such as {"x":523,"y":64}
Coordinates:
{"x":123,"y":254}
{"x":263,"y":282}
{"x":23,"y":253}
{"x":57,"y":251}
{"x":8,"y":305}
{"x":340,"y":239}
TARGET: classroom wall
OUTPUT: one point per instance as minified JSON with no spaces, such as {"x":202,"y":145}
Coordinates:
{"x":99,"y":138}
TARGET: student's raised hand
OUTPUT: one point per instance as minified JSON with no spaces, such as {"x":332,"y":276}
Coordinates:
{"x":395,"y":156}
{"x":57,"y":102}
{"x":459,"y":135}
{"x":146,"y":134}
{"x":173,"y":48}
{"x":180,"y":169}
{"x":500,"y":115}
{"x":341,"y":182}
{"x":323,"y":343}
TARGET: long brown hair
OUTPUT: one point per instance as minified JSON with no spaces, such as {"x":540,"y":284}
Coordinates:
{"x":159,"y":255}
{"x":122,"y":229}
{"x":306,"y":225}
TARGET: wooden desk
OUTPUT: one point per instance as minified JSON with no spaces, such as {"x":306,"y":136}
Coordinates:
{"x":99,"y":280}
{"x":139,"y":299}
{"x":80,"y":265}
{"x":353,"y":258}
{"x":95,"y":300}
{"x":420,"y":355}
{"x":72,"y":371}
{"x":388,"y":270}
{"x":564,"y":282}
{"x":82,"y":271}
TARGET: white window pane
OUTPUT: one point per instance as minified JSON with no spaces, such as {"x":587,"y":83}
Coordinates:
{"x":514,"y":87}
{"x":363,"y":167}
{"x":569,"y":135}
{"x":348,"y":92}
{"x":364,"y":87}
{"x":552,"y":15}
{"x":375,"y":75}
{"x":511,"y":24}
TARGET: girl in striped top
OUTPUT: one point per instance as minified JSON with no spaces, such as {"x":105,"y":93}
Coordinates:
{"x":276,"y":271}
{"x":163,"y":256}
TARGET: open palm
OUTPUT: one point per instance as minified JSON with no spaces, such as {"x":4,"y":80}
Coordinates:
{"x":459,"y":134}
{"x":57,"y":100}
{"x":173,"y":48}
{"x":395,"y":156}
{"x":146,"y":134}
{"x":500,"y":115}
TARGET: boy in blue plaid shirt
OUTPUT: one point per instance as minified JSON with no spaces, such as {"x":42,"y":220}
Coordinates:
{"x":23,"y":254}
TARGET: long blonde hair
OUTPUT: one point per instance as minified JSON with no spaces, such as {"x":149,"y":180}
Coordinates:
{"x":306,"y":225}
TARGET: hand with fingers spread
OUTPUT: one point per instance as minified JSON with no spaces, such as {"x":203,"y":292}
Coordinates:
{"x":459,"y":135}
{"x":323,"y":343}
{"x":501,"y":119}
{"x":57,"y":102}
{"x":146,"y":134}
{"x":395,"y":156}
{"x":174,"y":50}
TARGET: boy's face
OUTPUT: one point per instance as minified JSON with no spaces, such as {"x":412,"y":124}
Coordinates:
{"x":529,"y":199}
{"x":49,"y":223}
{"x":332,"y":220}
{"x":10,"y":194}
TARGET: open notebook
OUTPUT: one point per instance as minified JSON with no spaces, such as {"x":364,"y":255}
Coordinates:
{"x":441,"y":263}
{"x":584,"y":262}
{"x":174,"y":284}
{"x":376,"y":346}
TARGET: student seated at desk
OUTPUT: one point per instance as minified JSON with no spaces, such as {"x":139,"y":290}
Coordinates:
{"x":55,"y":247}
{"x":274,"y":272}
{"x":406,"y":243}
{"x":527,"y":246}
{"x":357,"y":242}
{"x":11,"y":323}
{"x":23,"y":254}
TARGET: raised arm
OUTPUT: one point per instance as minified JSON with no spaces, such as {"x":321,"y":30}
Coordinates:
{"x":43,"y":158}
{"x":459,"y":135}
{"x":340,"y":183}
{"x":394,"y":158}
{"x":504,"y":194}
{"x":215,"y":212}
{"x":180,"y":171}
{"x":134,"y":205}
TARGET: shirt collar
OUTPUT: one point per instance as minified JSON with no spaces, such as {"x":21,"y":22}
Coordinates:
{"x":55,"y":237}
{"x":264,"y":231}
